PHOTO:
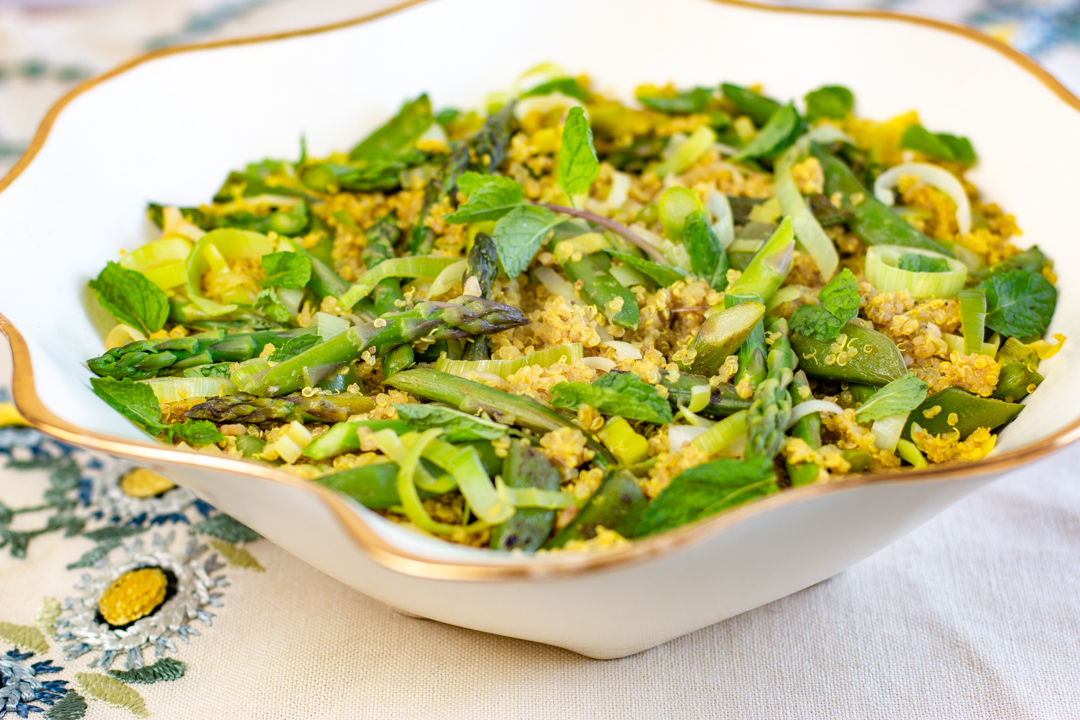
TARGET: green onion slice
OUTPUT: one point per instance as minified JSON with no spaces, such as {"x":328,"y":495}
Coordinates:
{"x":883,"y":273}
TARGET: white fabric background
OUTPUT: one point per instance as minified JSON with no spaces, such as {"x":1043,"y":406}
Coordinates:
{"x":974,"y":615}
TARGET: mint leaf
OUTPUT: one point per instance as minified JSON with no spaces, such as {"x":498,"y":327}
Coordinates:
{"x":914,"y":262}
{"x":286,"y":270}
{"x":941,"y":146}
{"x":131,"y":298}
{"x":196,"y":432}
{"x":841,"y":297}
{"x":747,"y":102}
{"x":566,"y":85}
{"x":293,"y":346}
{"x":1019,"y":303}
{"x":775,"y":136}
{"x":707,"y":257}
{"x":690,"y":101}
{"x":622,"y":394}
{"x":839,"y":306}
{"x":706,"y":490}
{"x":490,"y":197}
{"x":664,"y":275}
{"x":133,"y":400}
{"x":268,"y":303}
{"x":400,"y":133}
{"x":578,"y":166}
{"x":832,"y":101}
{"x":902,"y":395}
{"x":456,"y":425}
{"x":519,"y":234}
{"x":816,"y":322}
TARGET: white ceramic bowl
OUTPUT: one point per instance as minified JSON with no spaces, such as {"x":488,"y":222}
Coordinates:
{"x":168,"y":127}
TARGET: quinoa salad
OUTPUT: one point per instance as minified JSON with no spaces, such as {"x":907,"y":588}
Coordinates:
{"x":563,"y":321}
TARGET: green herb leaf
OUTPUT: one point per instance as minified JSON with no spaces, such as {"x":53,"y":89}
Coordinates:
{"x":1019,"y":303}
{"x":490,"y":197}
{"x":286,"y":270}
{"x":832,"y":101}
{"x":816,"y":322}
{"x":774,"y":137}
{"x":706,"y":490}
{"x":941,"y":146}
{"x":839,"y":306}
{"x":578,"y":166}
{"x":400,"y":133}
{"x":293,"y":346}
{"x":707,"y":257}
{"x":622,"y":394}
{"x":758,"y":107}
{"x":690,"y":101}
{"x":196,"y":432}
{"x":664,"y":275}
{"x":566,"y":85}
{"x":902,"y":395}
{"x":914,"y":262}
{"x":446,"y":116}
{"x":131,"y":298}
{"x":268,"y":303}
{"x":456,"y":425}
{"x":519,"y":234}
{"x":841,"y":296}
{"x":133,"y":400}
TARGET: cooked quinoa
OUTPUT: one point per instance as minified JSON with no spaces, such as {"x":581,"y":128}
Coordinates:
{"x":566,"y":321}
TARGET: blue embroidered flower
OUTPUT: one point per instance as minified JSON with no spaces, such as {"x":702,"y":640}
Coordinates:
{"x":21,"y":690}
{"x":1037,"y":27}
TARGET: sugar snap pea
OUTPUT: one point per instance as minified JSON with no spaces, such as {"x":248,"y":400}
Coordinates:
{"x":617,"y":505}
{"x":857,"y":355}
{"x":954,"y":409}
{"x":602,"y":290}
{"x":528,"y":528}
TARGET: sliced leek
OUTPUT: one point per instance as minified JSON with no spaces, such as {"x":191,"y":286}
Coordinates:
{"x":163,"y":261}
{"x":933,"y":176}
{"x":423,"y":266}
{"x":882,"y":272}
{"x":722,"y":434}
{"x":688,"y":153}
{"x":807,"y":229}
{"x":532,"y":497}
{"x":569,"y":353}
{"x":328,"y":326}
{"x":463,"y":464}
{"x":175,"y":389}
{"x":887,"y":430}
{"x":972,"y":319}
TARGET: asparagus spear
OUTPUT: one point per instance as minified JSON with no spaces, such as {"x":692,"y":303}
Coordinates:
{"x":475,"y":398}
{"x":599,"y":287}
{"x":770,"y":411}
{"x":155,"y":358}
{"x":489,"y":147}
{"x":483,"y":265}
{"x":763,"y":276}
{"x":459,"y":318}
{"x":387,"y":295}
{"x":258,"y":410}
{"x":808,"y":429}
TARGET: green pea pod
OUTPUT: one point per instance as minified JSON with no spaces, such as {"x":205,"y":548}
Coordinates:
{"x":602,"y":290}
{"x":857,"y":355}
{"x":758,"y":107}
{"x":617,"y":505}
{"x":861,"y":393}
{"x":1015,"y":380}
{"x":723,"y":400}
{"x":859,"y":459}
{"x":872,"y":221}
{"x":528,"y":528}
{"x":373,"y":486}
{"x":954,"y":409}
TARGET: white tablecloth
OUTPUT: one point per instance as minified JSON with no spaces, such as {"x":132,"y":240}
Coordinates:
{"x":974,"y":615}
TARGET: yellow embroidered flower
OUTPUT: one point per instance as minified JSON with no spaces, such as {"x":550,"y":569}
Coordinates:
{"x":133,"y":595}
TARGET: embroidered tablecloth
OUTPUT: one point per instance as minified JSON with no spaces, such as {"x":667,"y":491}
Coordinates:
{"x":974,"y":615}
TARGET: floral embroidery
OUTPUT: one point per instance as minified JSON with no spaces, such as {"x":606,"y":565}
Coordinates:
{"x":22,"y":691}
